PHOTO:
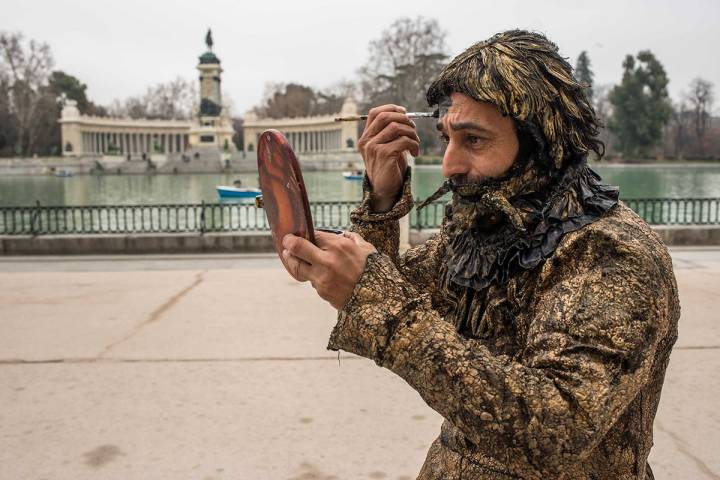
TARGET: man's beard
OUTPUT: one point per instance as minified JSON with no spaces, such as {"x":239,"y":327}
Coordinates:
{"x":486,"y":202}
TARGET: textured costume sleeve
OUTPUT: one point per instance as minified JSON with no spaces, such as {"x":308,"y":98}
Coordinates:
{"x":597,"y":312}
{"x":382,"y":229}
{"x":420,"y":263}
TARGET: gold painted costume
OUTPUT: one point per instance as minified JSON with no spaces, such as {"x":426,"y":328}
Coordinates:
{"x":542,"y":340}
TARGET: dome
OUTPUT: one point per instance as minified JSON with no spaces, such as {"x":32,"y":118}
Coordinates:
{"x":209,"y":57}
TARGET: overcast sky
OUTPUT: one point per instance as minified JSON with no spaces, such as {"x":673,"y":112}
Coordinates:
{"x":118,"y":48}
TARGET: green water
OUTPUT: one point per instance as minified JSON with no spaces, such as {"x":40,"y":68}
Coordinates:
{"x":634,"y":182}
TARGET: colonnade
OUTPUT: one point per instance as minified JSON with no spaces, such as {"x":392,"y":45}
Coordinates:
{"x":123,"y":143}
{"x":315,"y":141}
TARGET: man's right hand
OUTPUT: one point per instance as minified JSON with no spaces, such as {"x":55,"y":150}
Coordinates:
{"x":388,"y":134}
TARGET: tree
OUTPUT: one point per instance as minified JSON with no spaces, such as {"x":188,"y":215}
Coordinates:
{"x":603,"y":111}
{"x":641,"y":106}
{"x":701,"y":99}
{"x":401,"y":65}
{"x":677,"y":138}
{"x":584,"y":74}
{"x":8,"y":121}
{"x":62,"y":84}
{"x":294,"y":100}
{"x":25,"y":69}
{"x":403,"y":62}
{"x":173,"y":100}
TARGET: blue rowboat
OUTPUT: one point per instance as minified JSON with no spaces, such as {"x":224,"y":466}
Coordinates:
{"x":237,"y":192}
{"x":356,"y":175}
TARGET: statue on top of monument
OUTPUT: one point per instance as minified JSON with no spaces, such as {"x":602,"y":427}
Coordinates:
{"x":208,"y":39}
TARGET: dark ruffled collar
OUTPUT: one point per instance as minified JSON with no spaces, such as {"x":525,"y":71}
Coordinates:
{"x":531,"y":212}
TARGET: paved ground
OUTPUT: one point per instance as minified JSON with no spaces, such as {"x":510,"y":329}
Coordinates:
{"x":215,"y":367}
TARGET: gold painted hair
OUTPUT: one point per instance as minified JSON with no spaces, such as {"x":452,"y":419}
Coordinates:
{"x":524,"y":76}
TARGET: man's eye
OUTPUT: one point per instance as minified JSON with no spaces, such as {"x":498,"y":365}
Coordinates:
{"x":444,"y":138}
{"x":473,"y":140}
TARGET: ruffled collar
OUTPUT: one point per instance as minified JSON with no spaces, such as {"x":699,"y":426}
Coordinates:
{"x":514,"y":223}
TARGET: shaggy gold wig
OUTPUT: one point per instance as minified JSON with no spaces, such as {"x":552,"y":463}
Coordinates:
{"x":524,"y":76}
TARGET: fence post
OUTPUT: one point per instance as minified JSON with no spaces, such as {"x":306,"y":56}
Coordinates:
{"x":202,"y":218}
{"x":34,"y":217}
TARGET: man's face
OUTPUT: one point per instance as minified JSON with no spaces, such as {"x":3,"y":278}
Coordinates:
{"x":481,"y":142}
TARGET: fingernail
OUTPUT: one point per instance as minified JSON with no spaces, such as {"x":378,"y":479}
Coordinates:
{"x":285,"y":253}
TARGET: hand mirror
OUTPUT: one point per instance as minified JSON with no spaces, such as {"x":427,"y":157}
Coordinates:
{"x":284,"y":197}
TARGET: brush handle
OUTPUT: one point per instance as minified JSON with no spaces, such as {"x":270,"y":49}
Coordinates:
{"x":357,"y":118}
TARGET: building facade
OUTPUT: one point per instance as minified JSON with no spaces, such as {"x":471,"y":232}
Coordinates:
{"x":307,"y":135}
{"x":210,"y":128}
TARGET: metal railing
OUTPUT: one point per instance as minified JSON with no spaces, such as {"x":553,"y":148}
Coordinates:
{"x":655,"y":211}
{"x":165,"y":218}
{"x":243,"y":217}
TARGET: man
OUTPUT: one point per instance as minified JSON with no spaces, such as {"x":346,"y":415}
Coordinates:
{"x":540,"y":320}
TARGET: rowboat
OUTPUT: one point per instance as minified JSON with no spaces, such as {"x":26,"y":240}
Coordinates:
{"x":225,"y":191}
{"x":353,"y":175}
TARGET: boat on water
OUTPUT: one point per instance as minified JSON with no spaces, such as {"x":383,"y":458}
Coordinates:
{"x":225,"y":191}
{"x":353,"y":175}
{"x":63,"y":173}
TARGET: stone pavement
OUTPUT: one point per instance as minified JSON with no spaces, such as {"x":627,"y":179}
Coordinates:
{"x":214,"y":367}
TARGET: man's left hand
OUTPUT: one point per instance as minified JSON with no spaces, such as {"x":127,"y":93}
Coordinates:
{"x":333,"y":267}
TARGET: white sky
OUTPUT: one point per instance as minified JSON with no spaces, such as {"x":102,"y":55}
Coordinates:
{"x":118,"y":48}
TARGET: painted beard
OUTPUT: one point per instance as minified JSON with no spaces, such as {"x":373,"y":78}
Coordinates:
{"x":485,"y":204}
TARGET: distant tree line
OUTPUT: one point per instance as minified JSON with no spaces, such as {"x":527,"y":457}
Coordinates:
{"x":641,"y":122}
{"x":32,"y":93}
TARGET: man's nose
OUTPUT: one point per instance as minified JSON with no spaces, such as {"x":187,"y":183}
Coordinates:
{"x":454,"y":162}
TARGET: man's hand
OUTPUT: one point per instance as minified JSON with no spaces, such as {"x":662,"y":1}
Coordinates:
{"x":333,"y":268}
{"x":388,"y":134}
